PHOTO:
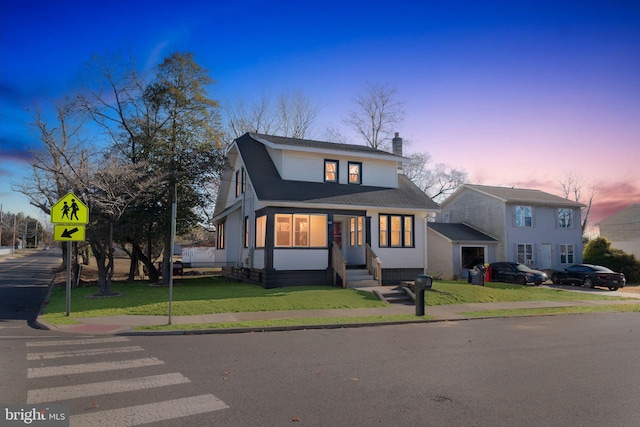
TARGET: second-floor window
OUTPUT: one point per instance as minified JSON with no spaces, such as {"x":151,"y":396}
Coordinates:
{"x":565,"y":218}
{"x":524,"y":216}
{"x":355,"y":173}
{"x":330,"y":171}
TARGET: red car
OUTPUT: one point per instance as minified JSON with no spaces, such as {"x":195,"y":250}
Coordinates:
{"x":589,"y":275}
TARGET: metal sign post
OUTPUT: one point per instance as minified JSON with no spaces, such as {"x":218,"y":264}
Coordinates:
{"x":68,"y":278}
{"x":69,"y":216}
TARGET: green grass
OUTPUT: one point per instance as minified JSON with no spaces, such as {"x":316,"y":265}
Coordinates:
{"x":203,"y":296}
{"x":444,"y":293}
{"x":209,"y":295}
{"x":614,"y":308}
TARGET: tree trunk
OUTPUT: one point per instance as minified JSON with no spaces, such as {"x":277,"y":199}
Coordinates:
{"x":133,"y":267}
{"x":154,"y":277}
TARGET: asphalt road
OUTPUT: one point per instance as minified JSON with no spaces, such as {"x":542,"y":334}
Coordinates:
{"x":24,"y":282}
{"x":537,"y":371}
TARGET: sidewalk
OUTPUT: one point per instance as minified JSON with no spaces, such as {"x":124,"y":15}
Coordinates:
{"x":124,"y":325}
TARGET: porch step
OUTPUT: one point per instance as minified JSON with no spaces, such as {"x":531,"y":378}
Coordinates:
{"x":360,"y":277}
{"x":398,"y":295}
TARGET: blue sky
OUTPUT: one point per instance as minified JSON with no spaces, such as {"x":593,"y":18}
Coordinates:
{"x":516,"y":93}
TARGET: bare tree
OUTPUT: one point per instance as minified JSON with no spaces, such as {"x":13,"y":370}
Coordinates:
{"x":110,"y":190}
{"x":257,"y":117}
{"x":296,"y":114}
{"x":438,"y":182}
{"x":571,"y":188}
{"x":292,"y":115}
{"x":61,"y":162}
{"x":377,"y":115}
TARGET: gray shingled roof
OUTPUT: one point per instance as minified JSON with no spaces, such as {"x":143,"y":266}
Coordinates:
{"x":308,"y":143}
{"x":523,"y":195}
{"x":629,"y":215}
{"x":460,"y":232}
{"x":269,"y":186}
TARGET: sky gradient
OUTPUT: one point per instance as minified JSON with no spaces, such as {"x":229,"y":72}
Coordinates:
{"x":516,"y":93}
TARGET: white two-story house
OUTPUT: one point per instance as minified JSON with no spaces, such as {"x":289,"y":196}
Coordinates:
{"x":302,"y":212}
{"x":527,"y":226}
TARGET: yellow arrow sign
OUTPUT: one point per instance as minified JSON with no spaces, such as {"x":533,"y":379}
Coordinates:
{"x":68,"y":233}
{"x":69,"y":210}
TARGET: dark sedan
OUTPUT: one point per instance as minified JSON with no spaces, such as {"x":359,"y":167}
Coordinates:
{"x":516,"y":273}
{"x":589,"y":275}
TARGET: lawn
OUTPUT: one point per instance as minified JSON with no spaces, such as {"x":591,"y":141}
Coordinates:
{"x":206,"y":295}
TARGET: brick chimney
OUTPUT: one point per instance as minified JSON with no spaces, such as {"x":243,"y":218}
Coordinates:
{"x":396,"y":144}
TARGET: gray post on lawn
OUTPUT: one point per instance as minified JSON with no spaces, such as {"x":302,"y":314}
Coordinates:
{"x":173,"y":238}
{"x":68,"y":278}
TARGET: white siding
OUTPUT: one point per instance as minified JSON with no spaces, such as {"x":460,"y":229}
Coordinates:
{"x":298,"y":166}
{"x":258,"y":258}
{"x":307,"y":259}
{"x":378,"y":173}
{"x":400,"y":257}
{"x":440,"y":256}
{"x":277,"y":159}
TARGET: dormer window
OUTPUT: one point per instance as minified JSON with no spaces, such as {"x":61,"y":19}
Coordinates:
{"x":355,"y":173}
{"x":330,"y":171}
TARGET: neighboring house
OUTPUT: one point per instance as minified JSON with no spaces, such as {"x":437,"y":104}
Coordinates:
{"x":532,"y":227}
{"x":301,"y":212}
{"x":453,"y":249}
{"x":622,"y":229}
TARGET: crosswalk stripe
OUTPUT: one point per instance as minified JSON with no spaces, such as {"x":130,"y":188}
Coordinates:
{"x":149,"y":413}
{"x":79,"y":353}
{"x":76,"y":342}
{"x":54,"y":394}
{"x":91,"y":367}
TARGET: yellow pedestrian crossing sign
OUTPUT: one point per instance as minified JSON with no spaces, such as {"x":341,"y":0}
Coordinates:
{"x":68,"y":233}
{"x":69,"y":210}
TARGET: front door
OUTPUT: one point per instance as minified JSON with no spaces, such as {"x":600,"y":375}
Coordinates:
{"x":545,"y":257}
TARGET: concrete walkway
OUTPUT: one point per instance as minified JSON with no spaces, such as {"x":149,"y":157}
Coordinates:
{"x":126,"y":324}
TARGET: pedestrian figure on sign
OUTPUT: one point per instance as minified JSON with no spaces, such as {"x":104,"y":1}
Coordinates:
{"x":74,"y":209}
{"x":65,"y":210}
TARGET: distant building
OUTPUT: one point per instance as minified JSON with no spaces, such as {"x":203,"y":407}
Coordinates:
{"x":622,"y":229}
{"x":480,"y":223}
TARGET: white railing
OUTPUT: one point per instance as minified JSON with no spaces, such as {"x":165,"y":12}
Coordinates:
{"x":374,"y":265}
{"x":339,"y":264}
